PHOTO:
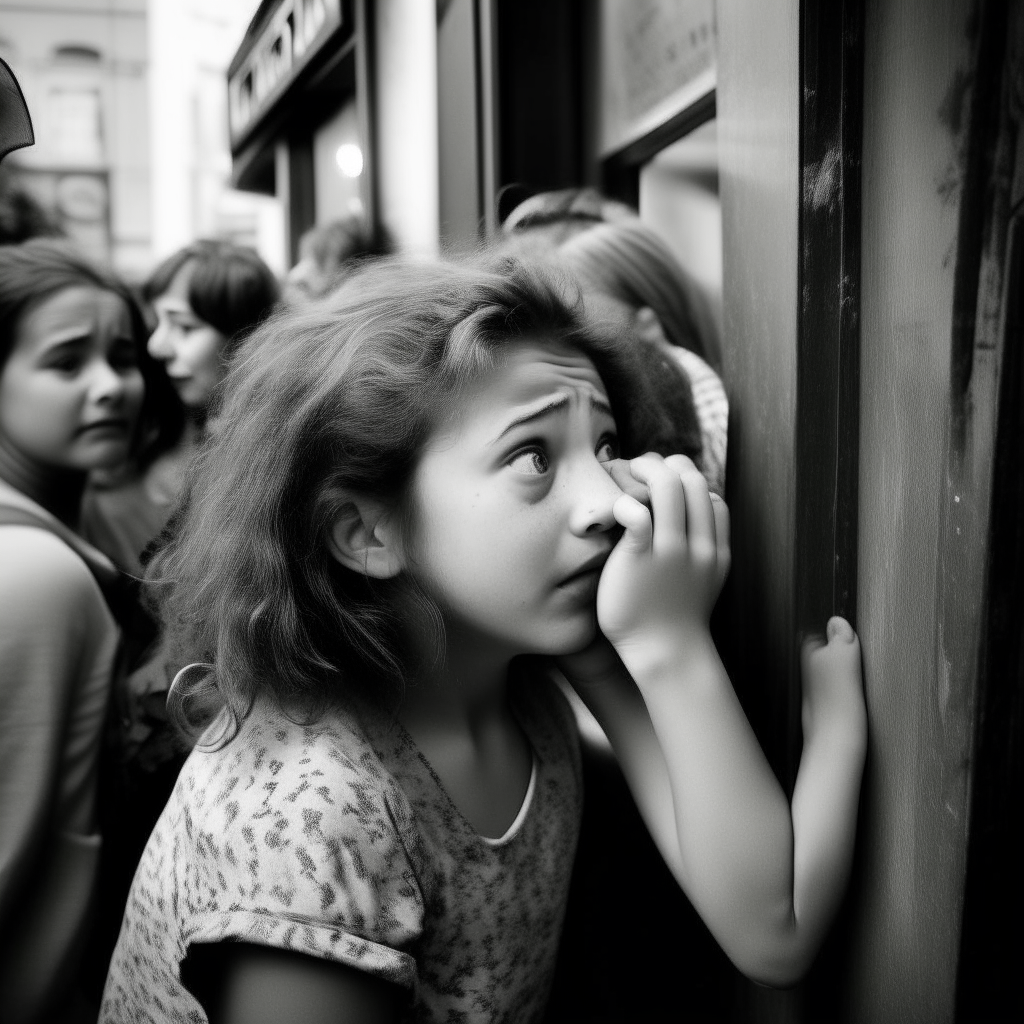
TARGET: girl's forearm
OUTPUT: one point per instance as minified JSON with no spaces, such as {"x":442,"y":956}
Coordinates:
{"x":824,"y":811}
{"x":620,"y":711}
{"x":740,"y":862}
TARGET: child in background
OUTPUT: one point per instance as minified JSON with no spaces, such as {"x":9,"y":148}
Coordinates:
{"x":418,"y":495}
{"x":206,"y":297}
{"x":328,"y":253}
{"x":72,"y":382}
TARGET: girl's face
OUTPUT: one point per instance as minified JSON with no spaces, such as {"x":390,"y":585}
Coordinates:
{"x":190,"y":349}
{"x":512,"y":503}
{"x":71,"y":390}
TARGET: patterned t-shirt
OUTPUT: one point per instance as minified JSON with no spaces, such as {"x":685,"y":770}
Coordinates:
{"x":337,"y":840}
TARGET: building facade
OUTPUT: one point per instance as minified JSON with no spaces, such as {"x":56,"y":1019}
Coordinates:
{"x":83,"y":68}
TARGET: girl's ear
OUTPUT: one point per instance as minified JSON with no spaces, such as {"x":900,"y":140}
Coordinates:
{"x":363,"y":540}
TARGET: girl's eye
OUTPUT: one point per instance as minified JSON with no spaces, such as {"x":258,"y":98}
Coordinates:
{"x":66,"y":363}
{"x":607,"y":448}
{"x":529,"y":462}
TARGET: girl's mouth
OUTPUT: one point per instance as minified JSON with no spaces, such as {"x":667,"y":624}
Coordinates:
{"x":118,"y":426}
{"x":589,"y":572}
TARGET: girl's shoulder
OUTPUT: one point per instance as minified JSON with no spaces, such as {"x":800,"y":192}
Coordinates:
{"x":278,"y":769}
{"x":44,"y":577}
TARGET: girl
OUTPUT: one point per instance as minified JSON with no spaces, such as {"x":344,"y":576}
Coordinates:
{"x":71,"y":391}
{"x":206,"y":298}
{"x":402,"y":514}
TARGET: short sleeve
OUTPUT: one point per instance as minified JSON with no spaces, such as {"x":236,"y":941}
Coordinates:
{"x":296,"y":845}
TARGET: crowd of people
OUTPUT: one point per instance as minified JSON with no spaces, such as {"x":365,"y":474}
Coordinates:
{"x":297,"y":578}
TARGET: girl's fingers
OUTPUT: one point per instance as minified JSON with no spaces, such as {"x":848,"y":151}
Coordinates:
{"x":668,"y":503}
{"x":722,"y":521}
{"x":618,"y":470}
{"x":636,"y":520}
{"x":700,"y":514}
{"x":723,"y":555}
{"x":839,"y":629}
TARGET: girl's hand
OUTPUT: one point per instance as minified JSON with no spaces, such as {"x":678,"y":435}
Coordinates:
{"x":663,"y":577}
{"x":833,"y":692}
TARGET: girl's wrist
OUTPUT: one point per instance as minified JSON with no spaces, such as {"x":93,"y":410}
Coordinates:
{"x":654,"y":660}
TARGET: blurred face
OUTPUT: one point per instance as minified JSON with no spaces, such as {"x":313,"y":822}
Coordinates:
{"x":307,"y":280}
{"x":190,"y":349}
{"x":512,"y":503}
{"x":71,"y":391}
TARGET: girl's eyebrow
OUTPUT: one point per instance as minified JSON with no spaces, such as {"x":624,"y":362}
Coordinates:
{"x":596,"y":403}
{"x":172,"y":305}
{"x":68,"y":338}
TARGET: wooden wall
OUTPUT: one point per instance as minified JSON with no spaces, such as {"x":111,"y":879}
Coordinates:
{"x":922,"y":461}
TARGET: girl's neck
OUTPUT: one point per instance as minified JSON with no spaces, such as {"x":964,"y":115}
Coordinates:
{"x":58,"y":491}
{"x":466,"y":688}
{"x":458,"y":715}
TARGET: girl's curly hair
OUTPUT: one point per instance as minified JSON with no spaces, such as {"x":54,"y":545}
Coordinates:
{"x":323,"y":404}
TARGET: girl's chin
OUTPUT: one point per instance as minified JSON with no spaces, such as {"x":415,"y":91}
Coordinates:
{"x":573,"y":639}
{"x":107,"y":456}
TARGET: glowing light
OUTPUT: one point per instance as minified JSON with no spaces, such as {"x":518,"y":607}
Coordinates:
{"x":349,"y":159}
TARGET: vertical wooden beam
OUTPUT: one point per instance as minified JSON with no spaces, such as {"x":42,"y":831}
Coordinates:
{"x":301,"y":188}
{"x":365,"y":109}
{"x":828,"y":342}
{"x":991,"y":939}
{"x":828,"y":362}
{"x":487,"y":110}
{"x":921,"y":537}
{"x":458,"y":126}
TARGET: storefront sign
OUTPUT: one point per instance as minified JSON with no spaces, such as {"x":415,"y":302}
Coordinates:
{"x":657,"y":58}
{"x":293,"y":33}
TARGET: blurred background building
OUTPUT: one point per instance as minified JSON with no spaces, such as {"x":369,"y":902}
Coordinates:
{"x":160,"y":121}
{"x":129,"y":106}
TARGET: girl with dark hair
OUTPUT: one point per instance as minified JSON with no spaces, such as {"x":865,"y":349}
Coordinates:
{"x":418,"y":494}
{"x":73,"y":373}
{"x":206,"y":297}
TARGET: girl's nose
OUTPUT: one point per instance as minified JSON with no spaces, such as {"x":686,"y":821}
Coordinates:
{"x":106,"y":384}
{"x":594,"y":494}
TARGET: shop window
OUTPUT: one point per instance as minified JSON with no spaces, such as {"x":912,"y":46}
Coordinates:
{"x":72,"y":128}
{"x":338,"y":165}
{"x":679,"y":200}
